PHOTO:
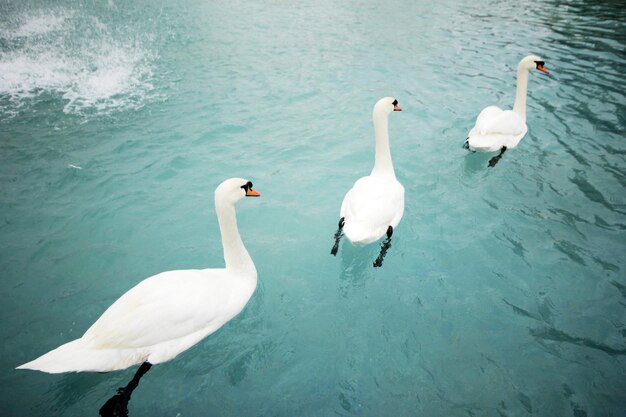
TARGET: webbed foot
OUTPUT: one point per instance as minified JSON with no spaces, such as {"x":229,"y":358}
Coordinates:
{"x":493,"y":161}
{"x":338,"y":235}
{"x":384,"y":247}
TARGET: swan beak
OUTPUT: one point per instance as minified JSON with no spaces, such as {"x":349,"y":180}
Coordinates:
{"x":396,"y":108}
{"x":543,"y":69}
{"x":252,"y":193}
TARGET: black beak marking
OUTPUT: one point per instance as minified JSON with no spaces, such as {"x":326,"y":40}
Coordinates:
{"x":247,"y":186}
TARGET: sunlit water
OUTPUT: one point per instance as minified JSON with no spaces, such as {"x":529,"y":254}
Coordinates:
{"x":503,"y":293}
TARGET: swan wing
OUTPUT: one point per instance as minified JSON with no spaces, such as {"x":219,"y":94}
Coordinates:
{"x":166,"y":307}
{"x":371,"y":206}
{"x":486,"y":118}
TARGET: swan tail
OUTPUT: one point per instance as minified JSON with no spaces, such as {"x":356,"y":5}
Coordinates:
{"x":360,"y":235}
{"x":77,"y":356}
{"x":486,"y":143}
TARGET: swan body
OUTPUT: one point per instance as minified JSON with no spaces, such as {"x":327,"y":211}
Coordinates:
{"x":498,"y":129}
{"x":376,"y":201}
{"x":167,"y":313}
{"x":372,"y":205}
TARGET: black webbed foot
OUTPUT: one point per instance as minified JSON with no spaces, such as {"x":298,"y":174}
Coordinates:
{"x":117,"y":405}
{"x":493,"y":161}
{"x":384,"y":247}
{"x":338,"y":235}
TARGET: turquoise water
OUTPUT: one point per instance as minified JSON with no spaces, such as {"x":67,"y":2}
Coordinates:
{"x":503,"y":293}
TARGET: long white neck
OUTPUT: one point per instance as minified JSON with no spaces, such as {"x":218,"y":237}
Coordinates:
{"x":520,"y":96}
{"x":235,"y":254}
{"x":382,"y":162}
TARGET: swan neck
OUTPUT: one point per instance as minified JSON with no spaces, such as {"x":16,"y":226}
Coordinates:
{"x":520,"y":95}
{"x":235,"y":254}
{"x":382,"y":161}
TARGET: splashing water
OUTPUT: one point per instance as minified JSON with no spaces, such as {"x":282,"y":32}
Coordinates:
{"x":74,"y":57}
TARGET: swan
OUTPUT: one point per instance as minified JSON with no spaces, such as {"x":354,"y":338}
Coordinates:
{"x":166,"y":313}
{"x":374,"y":205}
{"x":499,"y":130}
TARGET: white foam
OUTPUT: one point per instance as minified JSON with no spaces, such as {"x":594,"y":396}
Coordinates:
{"x":37,"y":23}
{"x":100,"y":73}
{"x":26,"y":74}
{"x":116,"y":75}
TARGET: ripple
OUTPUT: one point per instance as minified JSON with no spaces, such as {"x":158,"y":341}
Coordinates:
{"x":571,"y":250}
{"x":552,"y":334}
{"x":590,"y":192}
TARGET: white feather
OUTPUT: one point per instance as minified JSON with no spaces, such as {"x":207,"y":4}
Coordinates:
{"x":496,"y":128}
{"x":372,"y":205}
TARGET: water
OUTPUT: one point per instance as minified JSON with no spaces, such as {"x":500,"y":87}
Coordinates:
{"x":504,"y":290}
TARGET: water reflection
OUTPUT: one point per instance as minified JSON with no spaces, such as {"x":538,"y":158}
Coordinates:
{"x":71,"y":389}
{"x":356,"y":266}
{"x":475,"y":162}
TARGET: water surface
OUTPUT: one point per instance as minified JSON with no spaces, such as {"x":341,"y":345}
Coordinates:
{"x":503,"y":293}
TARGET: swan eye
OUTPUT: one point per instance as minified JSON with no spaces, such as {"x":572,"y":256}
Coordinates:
{"x":395,"y":102}
{"x":540,"y":64}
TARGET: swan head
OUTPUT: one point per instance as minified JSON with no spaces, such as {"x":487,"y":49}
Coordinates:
{"x":234,"y":189}
{"x":386,"y":105}
{"x":532,"y":62}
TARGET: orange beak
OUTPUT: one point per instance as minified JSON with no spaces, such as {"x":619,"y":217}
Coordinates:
{"x":252,"y":193}
{"x":543,"y":69}
{"x":396,"y":108}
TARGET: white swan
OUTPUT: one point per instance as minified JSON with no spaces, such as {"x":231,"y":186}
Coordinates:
{"x":499,"y":130}
{"x":167,"y":313}
{"x":374,"y":205}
